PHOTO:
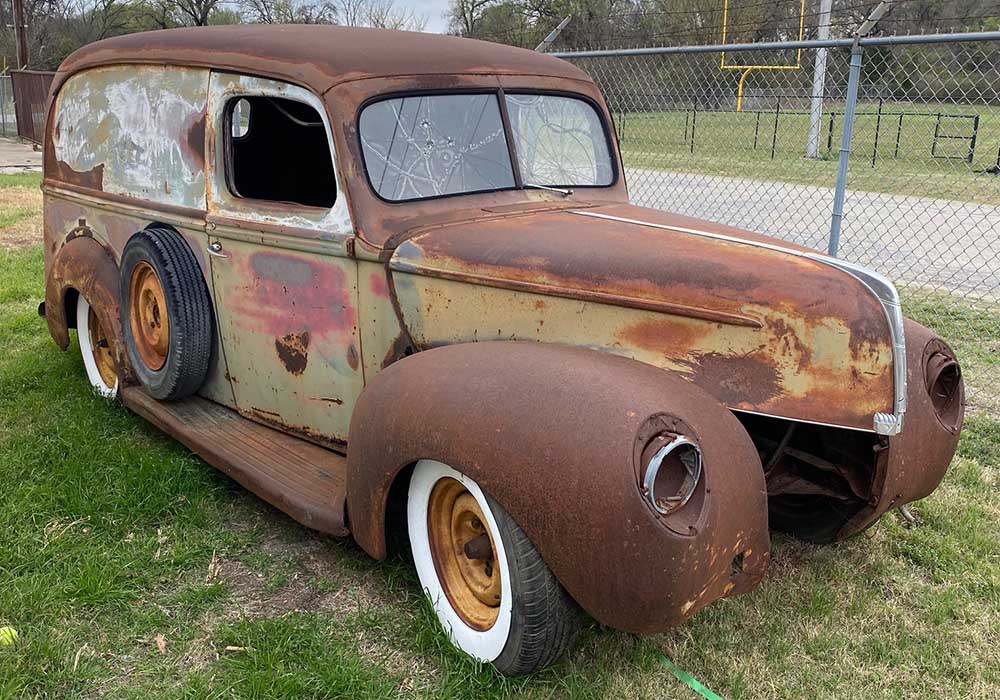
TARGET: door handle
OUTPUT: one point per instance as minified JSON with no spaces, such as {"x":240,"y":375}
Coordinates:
{"x":215,"y":249}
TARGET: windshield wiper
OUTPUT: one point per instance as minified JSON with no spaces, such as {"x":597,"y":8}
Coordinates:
{"x":563,"y":192}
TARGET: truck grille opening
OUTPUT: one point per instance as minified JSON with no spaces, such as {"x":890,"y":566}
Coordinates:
{"x":817,"y":477}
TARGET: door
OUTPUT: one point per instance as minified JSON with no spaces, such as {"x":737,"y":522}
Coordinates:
{"x":285,"y":287}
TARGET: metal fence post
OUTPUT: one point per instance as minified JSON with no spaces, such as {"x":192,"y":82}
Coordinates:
{"x":854,"y":77}
{"x":3,"y":106}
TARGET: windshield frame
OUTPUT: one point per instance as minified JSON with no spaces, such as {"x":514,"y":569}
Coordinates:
{"x":499,"y":93}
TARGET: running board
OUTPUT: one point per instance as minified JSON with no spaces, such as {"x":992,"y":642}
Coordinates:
{"x":297,"y":477}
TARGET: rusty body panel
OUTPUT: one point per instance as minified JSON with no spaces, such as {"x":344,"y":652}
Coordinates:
{"x":760,"y":330}
{"x":289,"y":327}
{"x":84,"y":266}
{"x":69,"y":215}
{"x":773,"y":360}
{"x":317,"y":56}
{"x":911,"y":465}
{"x":136,"y":131}
{"x":559,"y":442}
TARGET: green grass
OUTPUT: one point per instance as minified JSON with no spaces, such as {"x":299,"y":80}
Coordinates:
{"x":33,"y":180}
{"x":111,"y":534}
{"x":724,"y":145}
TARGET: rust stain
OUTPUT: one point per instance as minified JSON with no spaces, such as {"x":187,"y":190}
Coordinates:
{"x":400,"y":348}
{"x":736,"y":380}
{"x":867,"y":336}
{"x":195,"y":141}
{"x":666,"y":335}
{"x":789,"y":342}
{"x":293,"y":351}
{"x":92,"y":179}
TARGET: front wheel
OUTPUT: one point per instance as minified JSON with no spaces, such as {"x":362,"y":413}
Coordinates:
{"x":492,"y":593}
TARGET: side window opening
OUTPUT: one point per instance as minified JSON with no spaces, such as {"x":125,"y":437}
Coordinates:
{"x":277,"y":150}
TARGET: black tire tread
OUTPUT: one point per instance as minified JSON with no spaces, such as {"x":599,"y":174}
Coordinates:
{"x":545,"y":620}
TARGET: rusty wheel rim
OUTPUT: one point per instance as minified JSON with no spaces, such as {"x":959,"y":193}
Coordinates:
{"x":148,"y":316}
{"x":101,"y":349}
{"x":462,"y":546}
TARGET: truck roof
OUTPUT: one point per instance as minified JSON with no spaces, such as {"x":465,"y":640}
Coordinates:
{"x":317,"y":56}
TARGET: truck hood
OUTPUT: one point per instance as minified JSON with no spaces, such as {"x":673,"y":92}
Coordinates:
{"x":766,"y":326}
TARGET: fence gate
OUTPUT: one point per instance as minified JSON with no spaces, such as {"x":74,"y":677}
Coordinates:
{"x":31,"y":92}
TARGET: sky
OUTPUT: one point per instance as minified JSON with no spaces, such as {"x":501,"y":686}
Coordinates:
{"x":434,"y":11}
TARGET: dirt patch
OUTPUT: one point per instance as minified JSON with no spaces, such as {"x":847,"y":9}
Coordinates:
{"x":24,"y":206}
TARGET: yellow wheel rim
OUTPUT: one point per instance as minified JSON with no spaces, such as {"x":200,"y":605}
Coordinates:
{"x":101,"y":349}
{"x":462,"y":546}
{"x":148,"y":316}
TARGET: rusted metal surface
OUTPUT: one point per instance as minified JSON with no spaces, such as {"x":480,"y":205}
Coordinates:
{"x":313,"y":304}
{"x":84,"y":266}
{"x":31,"y":91}
{"x":301,"y":479}
{"x":555,"y":434}
{"x":318,"y":56}
{"x":133,"y":131}
{"x":304,"y":223}
{"x":760,"y":330}
{"x":288,"y":322}
{"x":111,"y":222}
{"x":914,"y":462}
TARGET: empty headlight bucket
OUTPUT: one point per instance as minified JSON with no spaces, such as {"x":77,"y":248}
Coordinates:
{"x":672,"y":474}
{"x":672,"y":479}
{"x":943,"y":378}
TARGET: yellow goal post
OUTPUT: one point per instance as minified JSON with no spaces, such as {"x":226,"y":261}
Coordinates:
{"x":747,"y":68}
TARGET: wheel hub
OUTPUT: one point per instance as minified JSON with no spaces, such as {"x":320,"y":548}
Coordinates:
{"x":148,"y":316}
{"x":464,"y":554}
{"x":101,"y":348}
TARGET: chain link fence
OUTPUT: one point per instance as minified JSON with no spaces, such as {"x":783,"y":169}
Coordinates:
{"x":8,"y":119}
{"x":760,"y":149}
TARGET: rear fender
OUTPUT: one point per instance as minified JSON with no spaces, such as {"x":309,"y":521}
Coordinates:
{"x":556,"y":434}
{"x":85,"y":266}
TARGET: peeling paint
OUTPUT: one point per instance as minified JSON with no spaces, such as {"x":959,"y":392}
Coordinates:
{"x":128,"y":130}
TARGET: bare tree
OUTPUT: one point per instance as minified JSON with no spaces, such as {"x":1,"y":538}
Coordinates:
{"x":383,"y":14}
{"x":464,"y":16}
{"x":98,"y":19}
{"x":196,"y":12}
{"x":289,"y":11}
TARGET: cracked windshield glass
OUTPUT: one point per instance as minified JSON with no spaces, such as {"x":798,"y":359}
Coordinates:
{"x":434,"y":145}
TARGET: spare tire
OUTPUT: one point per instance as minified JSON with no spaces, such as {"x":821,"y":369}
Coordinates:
{"x":166,"y":314}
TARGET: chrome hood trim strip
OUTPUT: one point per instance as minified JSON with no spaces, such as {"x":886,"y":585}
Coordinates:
{"x":878,"y":285}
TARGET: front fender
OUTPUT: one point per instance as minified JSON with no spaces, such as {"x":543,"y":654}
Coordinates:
{"x":87,"y":267}
{"x":555,"y":434}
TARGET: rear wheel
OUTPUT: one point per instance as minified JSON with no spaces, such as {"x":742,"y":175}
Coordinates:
{"x":493,"y":594}
{"x":97,"y":349}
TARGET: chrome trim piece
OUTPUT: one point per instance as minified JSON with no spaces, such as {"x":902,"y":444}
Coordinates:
{"x":880,"y":287}
{"x":687,"y":487}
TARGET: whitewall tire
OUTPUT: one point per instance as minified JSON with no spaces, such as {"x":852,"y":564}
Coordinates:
{"x":96,"y":349}
{"x":492,"y":593}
